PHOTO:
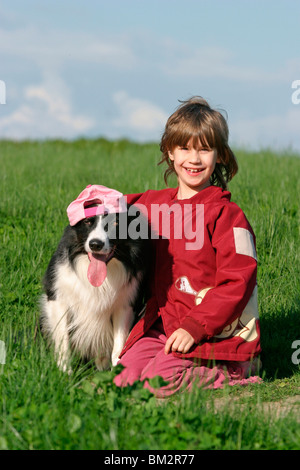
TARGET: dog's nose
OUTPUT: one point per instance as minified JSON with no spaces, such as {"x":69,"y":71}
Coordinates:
{"x":96,"y":244}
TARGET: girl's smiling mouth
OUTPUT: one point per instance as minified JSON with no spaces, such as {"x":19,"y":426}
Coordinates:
{"x":193,"y":171}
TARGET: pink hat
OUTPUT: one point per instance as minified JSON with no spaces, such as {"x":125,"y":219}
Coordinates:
{"x":107,"y":200}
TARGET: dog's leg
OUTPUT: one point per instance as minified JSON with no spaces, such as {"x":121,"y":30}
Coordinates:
{"x":122,"y":321}
{"x":58,"y":329}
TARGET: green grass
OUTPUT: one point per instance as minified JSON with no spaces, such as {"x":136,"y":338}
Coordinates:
{"x":43,"y":408}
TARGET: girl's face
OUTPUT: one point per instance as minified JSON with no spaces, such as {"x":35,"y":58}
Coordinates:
{"x":194,"y":167}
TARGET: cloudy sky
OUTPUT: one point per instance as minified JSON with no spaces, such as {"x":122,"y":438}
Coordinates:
{"x":117,"y":68}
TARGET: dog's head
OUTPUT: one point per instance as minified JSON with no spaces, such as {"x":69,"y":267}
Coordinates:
{"x":104,"y":227}
{"x":94,"y":215}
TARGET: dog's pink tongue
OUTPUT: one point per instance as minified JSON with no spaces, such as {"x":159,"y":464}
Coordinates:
{"x":97,"y":269}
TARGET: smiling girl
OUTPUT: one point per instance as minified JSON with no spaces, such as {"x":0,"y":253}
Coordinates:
{"x":201,"y":321}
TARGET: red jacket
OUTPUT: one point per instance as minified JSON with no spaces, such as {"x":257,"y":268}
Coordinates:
{"x":205,"y":284}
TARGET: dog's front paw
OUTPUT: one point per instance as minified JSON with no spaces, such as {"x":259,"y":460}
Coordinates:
{"x":64,"y":367}
{"x":114,"y":359}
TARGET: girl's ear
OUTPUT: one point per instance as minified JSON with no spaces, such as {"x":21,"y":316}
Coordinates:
{"x":170,"y":155}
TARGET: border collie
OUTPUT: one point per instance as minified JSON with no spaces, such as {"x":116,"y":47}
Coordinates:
{"x":95,"y":282}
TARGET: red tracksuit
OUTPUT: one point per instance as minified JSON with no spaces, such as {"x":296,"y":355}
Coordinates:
{"x":205,"y":274}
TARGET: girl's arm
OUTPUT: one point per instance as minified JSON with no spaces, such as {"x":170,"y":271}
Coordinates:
{"x":234,"y":243}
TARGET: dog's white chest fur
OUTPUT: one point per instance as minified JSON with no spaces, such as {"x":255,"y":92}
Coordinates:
{"x":95,"y":320}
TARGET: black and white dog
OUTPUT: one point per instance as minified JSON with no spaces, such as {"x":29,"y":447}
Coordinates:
{"x":95,"y":282}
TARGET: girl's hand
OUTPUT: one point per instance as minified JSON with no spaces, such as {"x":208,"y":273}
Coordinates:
{"x":180,"y":341}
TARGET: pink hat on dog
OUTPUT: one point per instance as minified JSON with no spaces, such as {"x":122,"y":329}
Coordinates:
{"x":102,"y":199}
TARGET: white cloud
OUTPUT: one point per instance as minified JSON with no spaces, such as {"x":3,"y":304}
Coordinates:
{"x":45,"y":111}
{"x":137,"y":115}
{"x":274,"y":130}
{"x":219,"y":62}
{"x":58,"y":46}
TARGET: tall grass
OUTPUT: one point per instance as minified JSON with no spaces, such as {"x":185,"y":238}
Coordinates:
{"x":43,"y":408}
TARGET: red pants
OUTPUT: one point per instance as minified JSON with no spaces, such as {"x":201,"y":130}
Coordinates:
{"x":147,"y":359}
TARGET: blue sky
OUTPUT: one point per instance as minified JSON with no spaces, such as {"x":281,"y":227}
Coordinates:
{"x":117,"y":68}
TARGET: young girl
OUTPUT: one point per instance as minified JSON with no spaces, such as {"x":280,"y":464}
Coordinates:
{"x":201,"y":321}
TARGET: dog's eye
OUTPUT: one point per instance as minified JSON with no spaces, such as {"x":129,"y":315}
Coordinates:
{"x":87,"y":222}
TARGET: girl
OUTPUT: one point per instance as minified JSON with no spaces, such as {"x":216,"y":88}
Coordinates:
{"x":201,"y":321}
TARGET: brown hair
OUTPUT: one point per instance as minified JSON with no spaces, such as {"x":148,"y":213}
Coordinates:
{"x":195,"y":119}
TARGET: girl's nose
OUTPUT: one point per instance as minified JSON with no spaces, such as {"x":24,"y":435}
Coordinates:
{"x":195,"y":156}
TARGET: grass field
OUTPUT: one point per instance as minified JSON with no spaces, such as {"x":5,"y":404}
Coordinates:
{"x":42,"y":408}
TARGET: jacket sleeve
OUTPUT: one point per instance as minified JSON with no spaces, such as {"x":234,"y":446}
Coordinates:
{"x":234,"y":244}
